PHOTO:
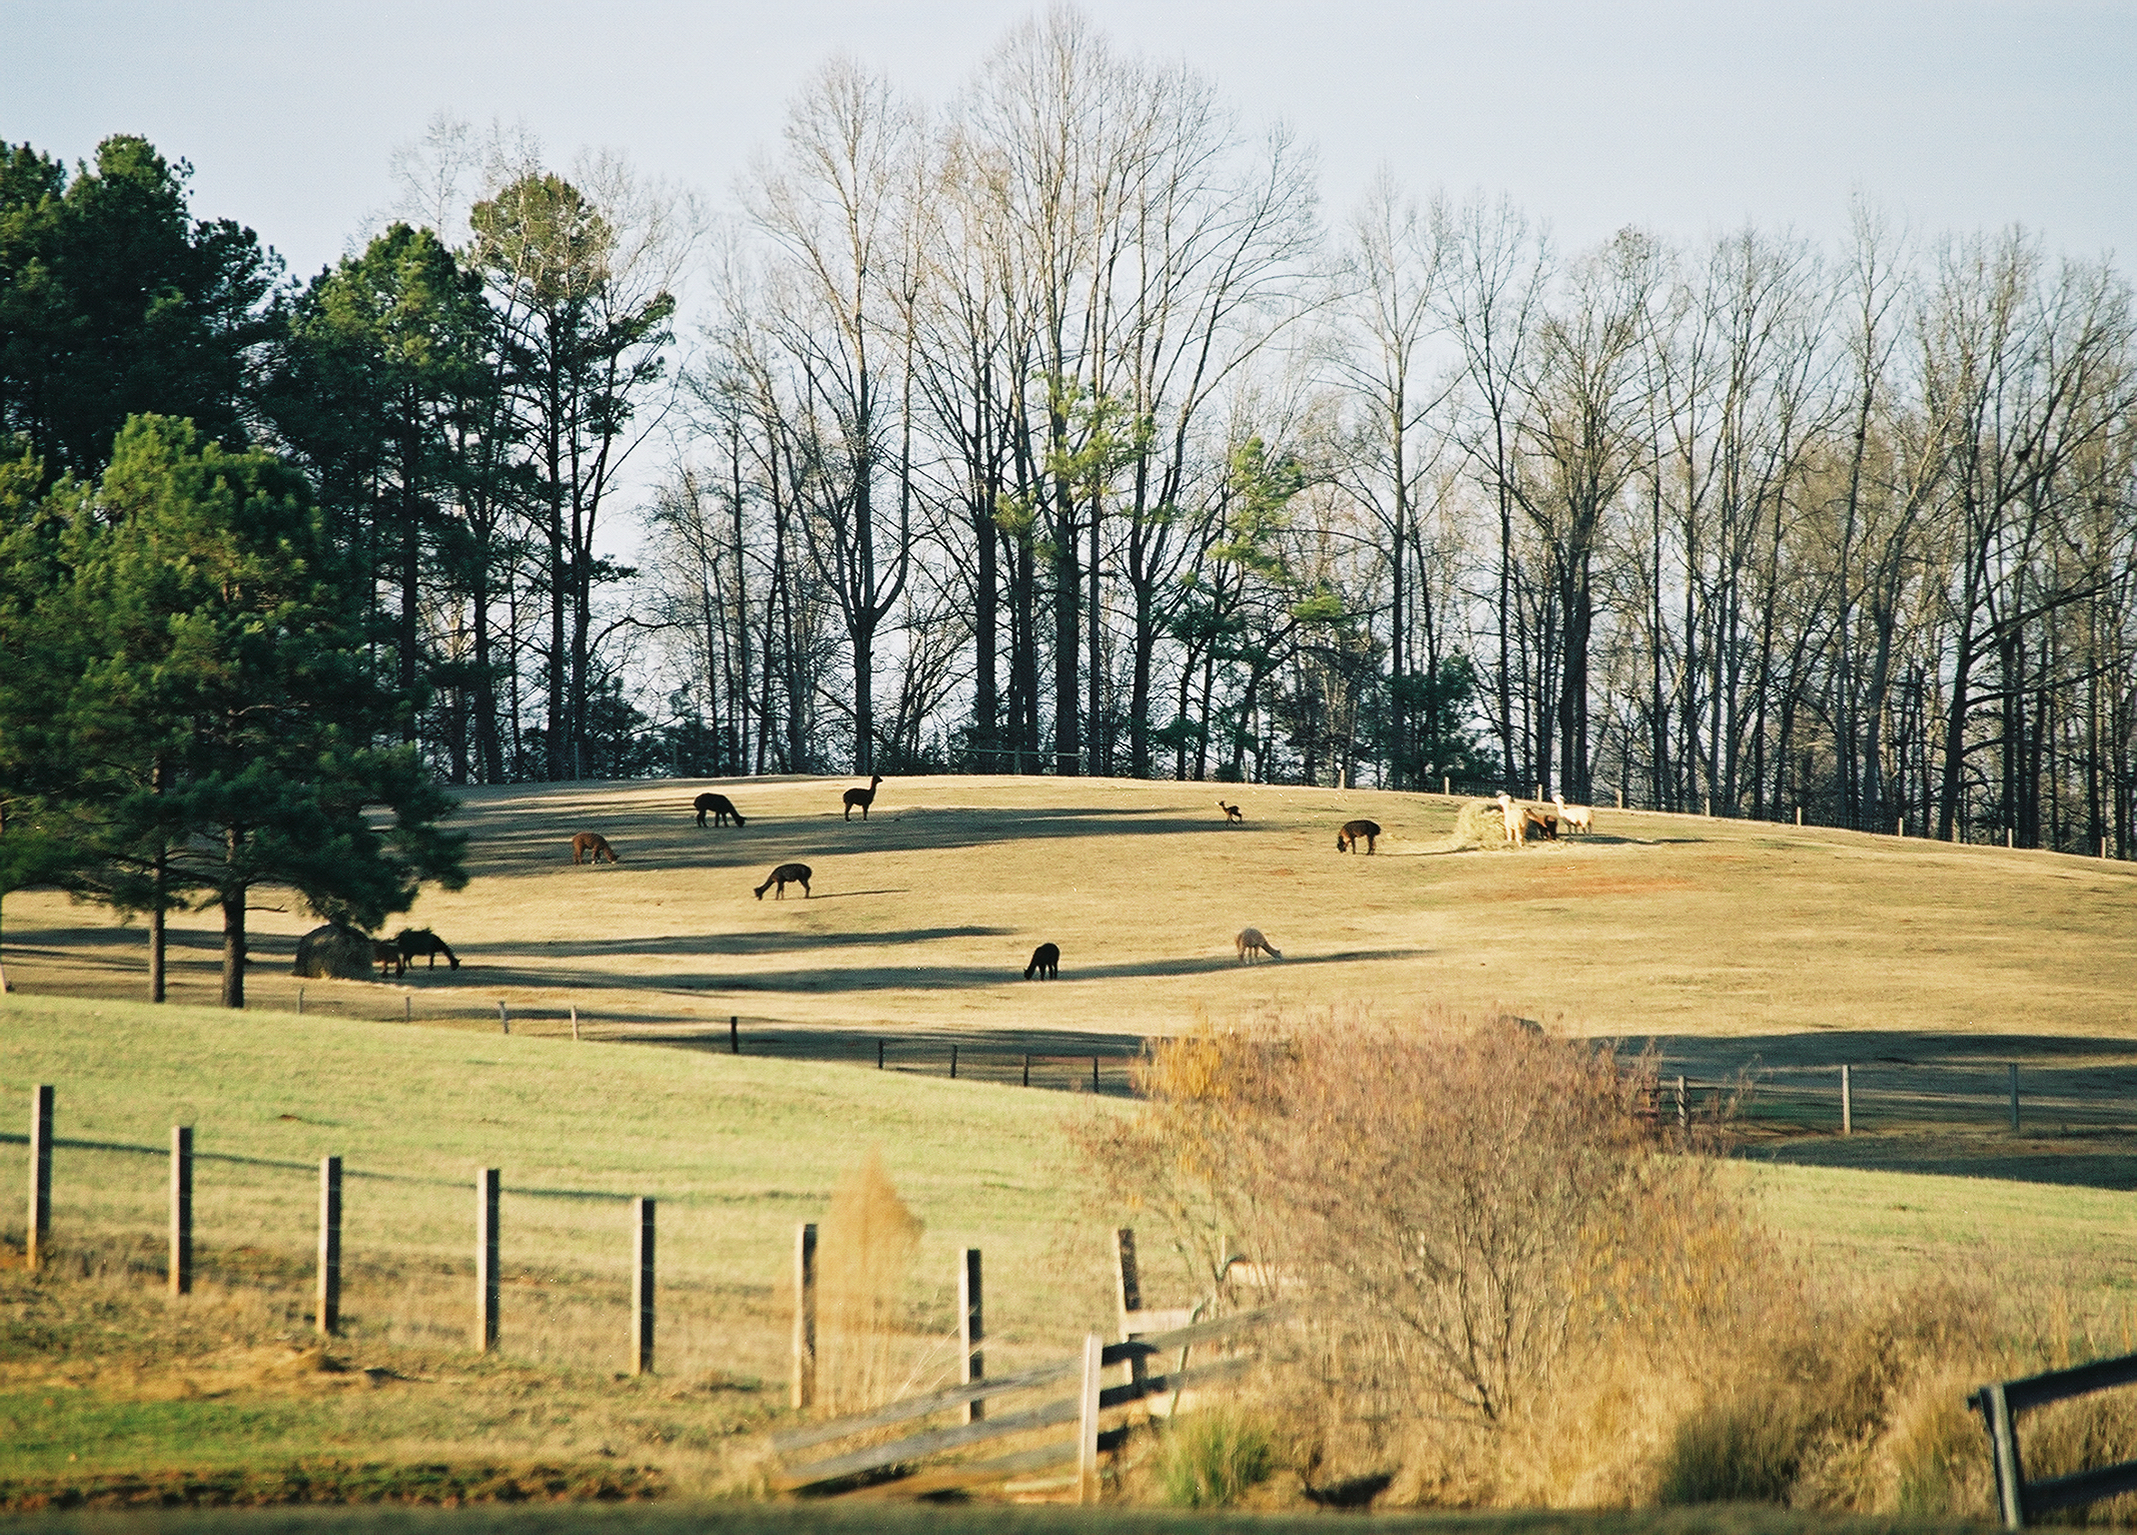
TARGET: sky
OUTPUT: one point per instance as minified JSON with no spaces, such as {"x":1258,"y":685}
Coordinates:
{"x":1687,"y":119}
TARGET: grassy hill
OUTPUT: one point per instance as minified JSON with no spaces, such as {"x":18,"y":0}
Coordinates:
{"x":924,"y":916}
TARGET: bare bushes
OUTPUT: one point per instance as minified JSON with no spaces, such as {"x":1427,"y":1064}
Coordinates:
{"x":869,"y":1245}
{"x":1467,"y":1215}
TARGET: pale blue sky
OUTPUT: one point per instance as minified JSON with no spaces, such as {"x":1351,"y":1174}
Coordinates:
{"x":1682,"y":117}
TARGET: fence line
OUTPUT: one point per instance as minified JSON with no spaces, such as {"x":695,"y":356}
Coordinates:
{"x":2019,"y":1500}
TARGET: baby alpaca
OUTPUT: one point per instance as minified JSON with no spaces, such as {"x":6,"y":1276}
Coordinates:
{"x":1250,"y":939}
{"x":1579,"y":818}
{"x":591,"y":847}
{"x":1232,"y":817}
{"x":1347,"y":837}
{"x":1045,"y":963}
{"x":786,"y":874}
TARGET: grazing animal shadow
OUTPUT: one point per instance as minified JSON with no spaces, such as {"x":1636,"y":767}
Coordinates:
{"x":786,"y":874}
{"x":1232,"y":817}
{"x":862,"y":797}
{"x":412,"y":941}
{"x":387,"y":953}
{"x":1347,"y":837}
{"x":1250,"y":939}
{"x":722,"y":808}
{"x":591,"y":847}
{"x":1045,"y":962}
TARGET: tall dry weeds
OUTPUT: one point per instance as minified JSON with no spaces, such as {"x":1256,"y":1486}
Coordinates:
{"x":865,"y":1262}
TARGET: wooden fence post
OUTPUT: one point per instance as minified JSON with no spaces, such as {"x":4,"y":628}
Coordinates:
{"x":1799,"y":815}
{"x":1094,"y":1073}
{"x":408,"y":1007}
{"x":1027,"y":1071}
{"x":1094,"y":1353}
{"x":1447,"y":787}
{"x":1684,"y":1118}
{"x":1847,"y":1101}
{"x":804,"y":1315}
{"x":641,"y":1286}
{"x":1709,"y":806}
{"x":734,"y":1033}
{"x":40,"y":1227}
{"x":181,"y":1209}
{"x":300,"y":1001}
{"x":879,"y":1055}
{"x":504,"y":1016}
{"x":486,"y":1184}
{"x":2014,"y":1097}
{"x":971,"y":1331}
{"x":953,"y":1063}
{"x":1129,"y":1289}
{"x":574,"y":1023}
{"x":328,"y":1316}
{"x":2003,"y":1445}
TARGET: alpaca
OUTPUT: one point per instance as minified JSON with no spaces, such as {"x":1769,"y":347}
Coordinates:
{"x":412,"y":941}
{"x":1542,"y":820}
{"x":388,"y":954}
{"x":1517,"y":821}
{"x":722,"y":808}
{"x":1045,"y":962}
{"x":1580,"y":818}
{"x":1250,"y":939}
{"x":786,"y":874}
{"x":1347,"y":838}
{"x":1232,"y":817}
{"x":862,"y":797}
{"x":591,"y":847}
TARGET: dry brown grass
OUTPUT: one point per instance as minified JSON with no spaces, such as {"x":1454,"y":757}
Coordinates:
{"x":866,"y":1253}
{"x":925,"y":916}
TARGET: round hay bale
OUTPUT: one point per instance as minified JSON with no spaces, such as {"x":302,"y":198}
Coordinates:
{"x":1479,"y":823}
{"x":335,"y":953}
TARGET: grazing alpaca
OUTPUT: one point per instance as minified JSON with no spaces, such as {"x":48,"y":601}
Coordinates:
{"x":412,"y":941}
{"x":1045,"y":962}
{"x":1541,"y":820}
{"x":1347,"y":838}
{"x":722,"y":808}
{"x":1580,"y":818}
{"x":786,"y":874}
{"x":1250,"y":939}
{"x":862,"y":797}
{"x":591,"y":847}
{"x":1517,"y":820}
{"x":1232,"y":817}
{"x":388,"y":954}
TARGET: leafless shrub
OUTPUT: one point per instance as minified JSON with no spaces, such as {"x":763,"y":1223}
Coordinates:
{"x":870,"y":1240}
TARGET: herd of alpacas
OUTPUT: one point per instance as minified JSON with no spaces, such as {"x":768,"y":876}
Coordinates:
{"x":592,"y":847}
{"x":1522,"y":818}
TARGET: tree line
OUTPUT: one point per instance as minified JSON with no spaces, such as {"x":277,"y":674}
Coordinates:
{"x":1052,"y":430}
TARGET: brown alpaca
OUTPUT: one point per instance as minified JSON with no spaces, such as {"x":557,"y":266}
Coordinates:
{"x":786,"y":874}
{"x":862,"y":797}
{"x":1541,"y":820}
{"x":1232,"y":817}
{"x":1045,"y":962}
{"x":1250,"y":939}
{"x":1347,"y":837}
{"x":388,"y":954}
{"x":412,"y":941}
{"x":591,"y":847}
{"x":722,"y":808}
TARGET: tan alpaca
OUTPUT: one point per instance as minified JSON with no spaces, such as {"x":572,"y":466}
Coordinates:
{"x":862,"y":797}
{"x":1232,"y":817}
{"x":591,"y":847}
{"x":1580,"y":818}
{"x":1250,"y":939}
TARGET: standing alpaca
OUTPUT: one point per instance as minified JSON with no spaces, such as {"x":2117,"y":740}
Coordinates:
{"x":786,"y":874}
{"x":722,"y":808}
{"x":1232,"y":817}
{"x":1045,"y":962}
{"x":1516,"y":818}
{"x":1250,"y":939}
{"x":1579,"y":818}
{"x":862,"y":797}
{"x":388,"y":954}
{"x":1347,"y":837}
{"x":591,"y":847}
{"x":412,"y":941}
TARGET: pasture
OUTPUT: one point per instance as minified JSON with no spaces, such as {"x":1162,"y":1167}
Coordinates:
{"x":1724,"y":941}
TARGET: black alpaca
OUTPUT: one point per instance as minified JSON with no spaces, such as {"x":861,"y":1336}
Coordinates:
{"x":786,"y":874}
{"x":722,"y":808}
{"x":862,"y":797}
{"x":412,"y":941}
{"x":1045,"y":963}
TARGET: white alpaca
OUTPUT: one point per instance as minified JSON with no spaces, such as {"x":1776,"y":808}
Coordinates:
{"x":1580,"y":818}
{"x":1517,"y":820}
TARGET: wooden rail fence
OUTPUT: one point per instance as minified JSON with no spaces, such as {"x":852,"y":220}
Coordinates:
{"x":2020,"y":1501}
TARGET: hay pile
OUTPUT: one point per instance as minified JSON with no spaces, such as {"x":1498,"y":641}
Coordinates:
{"x":1479,"y":824}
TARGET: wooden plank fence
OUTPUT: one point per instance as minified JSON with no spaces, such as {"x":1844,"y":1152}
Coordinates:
{"x":2020,"y":1501}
